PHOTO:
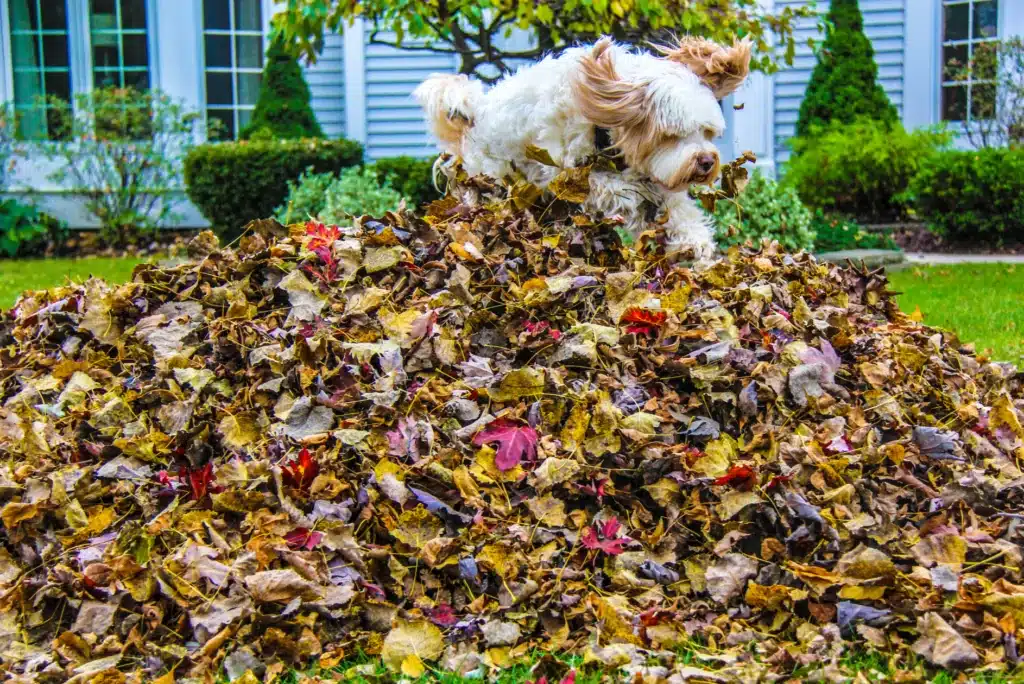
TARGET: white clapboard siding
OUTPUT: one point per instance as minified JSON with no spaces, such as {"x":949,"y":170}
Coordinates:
{"x":884,"y":24}
{"x":394,"y":121}
{"x":326,"y":81}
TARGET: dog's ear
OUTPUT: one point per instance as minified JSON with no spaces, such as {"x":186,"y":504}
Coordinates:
{"x":723,"y":69}
{"x":602,"y":96}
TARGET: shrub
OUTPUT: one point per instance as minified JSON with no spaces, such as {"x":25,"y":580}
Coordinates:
{"x":121,"y":150}
{"x":413,"y":178}
{"x":764,"y":210}
{"x":26,"y":231}
{"x":843,"y":86}
{"x":860,"y":169}
{"x":283,"y":110}
{"x":834,"y":233}
{"x":233,"y":183}
{"x":336,"y":199}
{"x":973,"y":195}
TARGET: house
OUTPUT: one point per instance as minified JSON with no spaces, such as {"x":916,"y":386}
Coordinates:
{"x":209,"y":53}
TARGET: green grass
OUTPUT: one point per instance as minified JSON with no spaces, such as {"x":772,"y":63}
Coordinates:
{"x":18,"y":275}
{"x":982,"y":303}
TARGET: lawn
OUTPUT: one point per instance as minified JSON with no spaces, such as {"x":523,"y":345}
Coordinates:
{"x":18,"y":275}
{"x":983,"y":303}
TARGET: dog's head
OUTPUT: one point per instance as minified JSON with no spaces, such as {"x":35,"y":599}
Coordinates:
{"x":663,"y":112}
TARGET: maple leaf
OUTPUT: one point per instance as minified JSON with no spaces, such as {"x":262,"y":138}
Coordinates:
{"x":601,"y":537}
{"x":198,"y":480}
{"x":321,"y":235}
{"x":739,"y":476}
{"x":644,"y":321}
{"x":442,"y":615}
{"x":303,"y":538}
{"x":516,"y":442}
{"x":300,"y":472}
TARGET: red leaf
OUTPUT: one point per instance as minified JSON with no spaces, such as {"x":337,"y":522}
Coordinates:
{"x":739,"y":476}
{"x":300,"y":472}
{"x":606,"y":543}
{"x":515,"y":442}
{"x":303,"y":538}
{"x":442,"y":616}
{"x":198,"y":480}
{"x":322,"y":236}
{"x":644,"y":317}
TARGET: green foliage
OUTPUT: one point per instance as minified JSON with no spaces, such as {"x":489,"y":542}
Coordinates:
{"x":835,"y":234}
{"x":413,"y":178}
{"x":765,"y":210}
{"x":973,"y":195}
{"x":843,"y":86}
{"x":473,"y":29}
{"x":233,"y":183}
{"x":123,"y":157}
{"x":335,"y":199}
{"x":283,"y":109}
{"x":26,"y":231}
{"x":861,"y":169}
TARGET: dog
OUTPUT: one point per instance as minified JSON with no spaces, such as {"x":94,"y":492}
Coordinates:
{"x":654,"y":114}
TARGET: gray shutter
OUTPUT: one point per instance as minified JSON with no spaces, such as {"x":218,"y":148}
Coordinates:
{"x":884,"y":24}
{"x":326,"y":81}
{"x":394,"y":121}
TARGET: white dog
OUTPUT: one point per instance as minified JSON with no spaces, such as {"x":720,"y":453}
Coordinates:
{"x":656,"y":114}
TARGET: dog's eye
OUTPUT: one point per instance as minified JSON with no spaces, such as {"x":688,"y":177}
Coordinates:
{"x":709,"y":134}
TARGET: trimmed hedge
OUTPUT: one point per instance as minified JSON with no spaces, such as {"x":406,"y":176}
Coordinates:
{"x":861,"y":169}
{"x":973,"y":194}
{"x":413,"y":178}
{"x":233,"y":183}
{"x":764,"y":210}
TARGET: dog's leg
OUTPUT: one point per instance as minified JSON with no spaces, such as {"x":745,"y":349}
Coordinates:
{"x":689,"y":227}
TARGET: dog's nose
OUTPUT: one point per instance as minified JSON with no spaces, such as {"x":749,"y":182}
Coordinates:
{"x":706,"y":162}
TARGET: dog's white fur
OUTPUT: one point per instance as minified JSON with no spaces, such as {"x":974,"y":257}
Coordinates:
{"x":662,"y":113}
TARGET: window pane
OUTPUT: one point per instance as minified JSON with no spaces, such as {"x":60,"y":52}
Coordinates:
{"x":136,"y":50}
{"x":983,"y":100}
{"x":218,"y":89}
{"x":103,"y":78}
{"x":986,"y":19}
{"x":954,"y":103}
{"x":25,"y":50}
{"x":216,"y":15}
{"x":986,"y":61}
{"x":104,"y":56}
{"x":954,"y":60}
{"x":58,"y":83}
{"x":225,"y":119}
{"x":248,"y":88}
{"x":55,"y":47}
{"x":249,"y":52}
{"x":244,"y":117}
{"x":137,"y":79}
{"x":54,"y":15}
{"x":104,"y":7}
{"x":133,"y":14}
{"x":247,"y":15}
{"x":218,"y":51}
{"x":955,"y":24}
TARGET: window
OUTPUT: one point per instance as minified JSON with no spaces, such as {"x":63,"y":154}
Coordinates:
{"x":120,"y":49}
{"x":233,"y":46}
{"x":967,"y":26}
{"x":41,"y":62}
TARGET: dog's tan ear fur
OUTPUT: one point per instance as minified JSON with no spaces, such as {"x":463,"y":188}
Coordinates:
{"x":608,"y":101}
{"x":723,"y":69}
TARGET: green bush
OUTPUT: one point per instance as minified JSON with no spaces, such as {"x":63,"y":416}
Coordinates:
{"x":861,"y":169}
{"x":26,"y":231}
{"x":283,"y":110}
{"x":233,"y":183}
{"x":973,"y":195}
{"x":764,"y":210}
{"x":413,"y":178}
{"x":843,"y":86}
{"x":336,"y":199}
{"x":835,"y":234}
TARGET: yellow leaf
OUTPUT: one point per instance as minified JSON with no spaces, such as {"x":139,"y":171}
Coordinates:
{"x":238,"y":430}
{"x":917,"y":316}
{"x":413,"y":666}
{"x":417,"y":526}
{"x":411,"y":638}
{"x":572,"y":185}
{"x":523,"y":383}
{"x":1005,"y":415}
{"x":861,"y":593}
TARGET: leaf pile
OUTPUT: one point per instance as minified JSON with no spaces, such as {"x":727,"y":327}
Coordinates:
{"x":452,"y":441}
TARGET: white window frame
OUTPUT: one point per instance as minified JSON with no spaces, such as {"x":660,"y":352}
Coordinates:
{"x":79,"y":47}
{"x":970,"y":42}
{"x":266,"y":12}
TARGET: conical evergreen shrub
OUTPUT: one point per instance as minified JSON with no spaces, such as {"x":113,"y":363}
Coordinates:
{"x":283,"y":110}
{"x":844,"y":84}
